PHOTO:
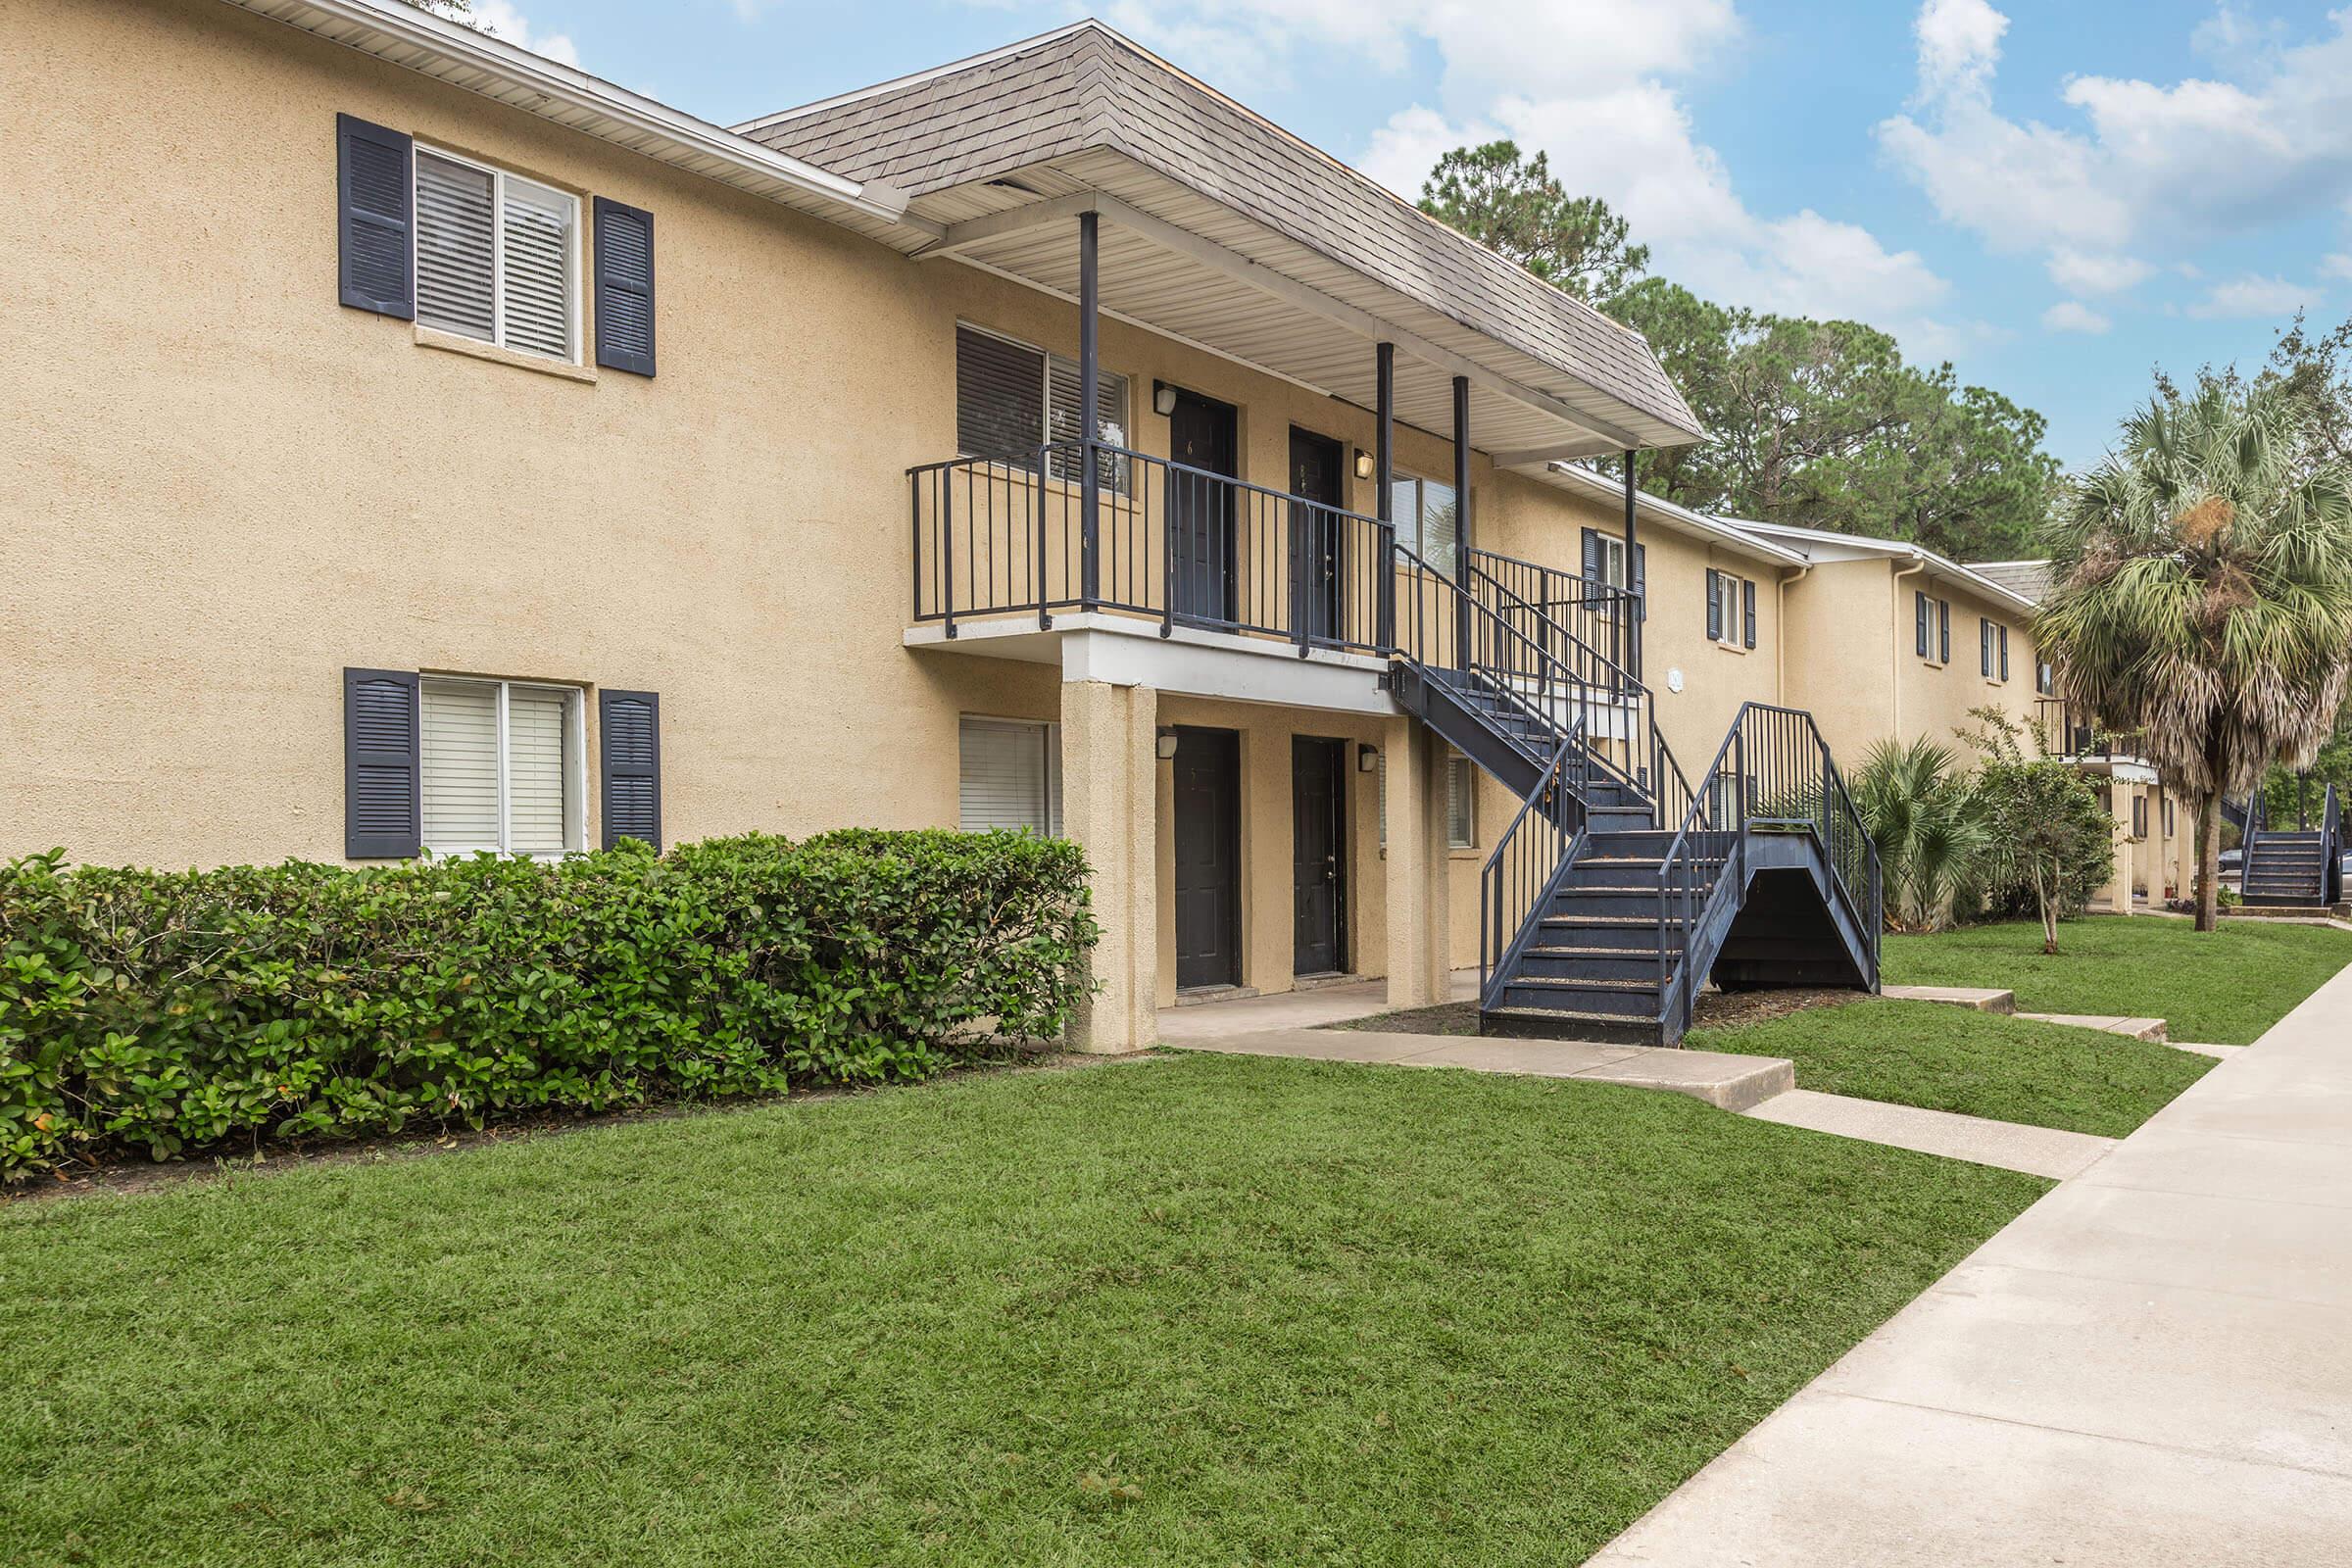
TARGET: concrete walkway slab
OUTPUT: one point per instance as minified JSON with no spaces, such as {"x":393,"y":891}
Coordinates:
{"x":1312,"y":1008}
{"x":1979,"y":997}
{"x":1725,"y":1081}
{"x":2220,"y":1053}
{"x":2036,"y":1151}
{"x":2147,"y":1367}
{"x":2105,"y":1023}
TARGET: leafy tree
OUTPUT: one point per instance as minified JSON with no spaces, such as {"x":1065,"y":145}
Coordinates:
{"x":2047,"y":837}
{"x":2203,"y":592}
{"x":1822,"y":425}
{"x":1513,"y":206}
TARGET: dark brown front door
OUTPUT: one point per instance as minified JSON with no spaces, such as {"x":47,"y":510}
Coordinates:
{"x":1200,"y":508}
{"x":1318,"y":853}
{"x":1209,"y":855}
{"x":1315,"y":529}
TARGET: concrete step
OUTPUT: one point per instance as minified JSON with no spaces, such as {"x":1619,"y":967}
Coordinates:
{"x":1979,"y":998}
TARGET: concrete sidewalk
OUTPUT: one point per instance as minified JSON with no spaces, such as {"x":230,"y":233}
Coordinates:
{"x":2151,"y":1367}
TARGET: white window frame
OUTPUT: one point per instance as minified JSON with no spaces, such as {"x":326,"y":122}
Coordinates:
{"x":1050,"y":738}
{"x":1732,"y":623}
{"x":572,"y":267}
{"x":1122,"y":481}
{"x":576,"y":767}
{"x":1613,"y":558}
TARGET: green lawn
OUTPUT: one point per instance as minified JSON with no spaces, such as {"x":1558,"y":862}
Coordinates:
{"x":1197,"y":1310}
{"x":1979,"y":1063}
{"x":2224,"y":987}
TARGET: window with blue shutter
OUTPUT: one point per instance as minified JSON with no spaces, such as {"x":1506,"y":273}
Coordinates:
{"x":624,"y":288}
{"x":382,"y":805}
{"x":2004,"y":631}
{"x":1714,"y":606}
{"x":373,"y":217}
{"x":1747,"y":609}
{"x":1919,"y":629}
{"x":1943,"y":621}
{"x":630,"y":743}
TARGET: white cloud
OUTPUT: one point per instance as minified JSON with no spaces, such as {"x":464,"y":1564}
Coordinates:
{"x":2338,"y":266}
{"x":2073,"y":315}
{"x":2250,"y":296}
{"x":2084,"y":272}
{"x":500,"y":19}
{"x":2144,"y":164}
{"x":1594,"y":86}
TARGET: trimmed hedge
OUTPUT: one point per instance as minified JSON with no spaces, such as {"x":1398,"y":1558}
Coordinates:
{"x":166,"y":1012}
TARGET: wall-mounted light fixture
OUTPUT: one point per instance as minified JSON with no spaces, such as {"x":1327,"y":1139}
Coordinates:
{"x":1367,"y":758}
{"x":1166,"y":744}
{"x":1363,"y":464}
{"x":1163,"y":399}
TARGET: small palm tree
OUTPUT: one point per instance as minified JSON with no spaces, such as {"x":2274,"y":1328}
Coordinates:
{"x":1932,"y":848}
{"x":2203,"y":594}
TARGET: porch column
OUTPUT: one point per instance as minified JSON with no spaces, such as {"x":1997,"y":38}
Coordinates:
{"x":1110,"y":808}
{"x":1633,"y":631}
{"x":1090,"y":377}
{"x":1417,"y":865}
{"x":1384,"y":472}
{"x":1461,"y":515}
{"x":2116,"y":896}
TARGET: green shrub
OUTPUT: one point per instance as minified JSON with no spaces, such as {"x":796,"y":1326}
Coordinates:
{"x":170,"y":1011}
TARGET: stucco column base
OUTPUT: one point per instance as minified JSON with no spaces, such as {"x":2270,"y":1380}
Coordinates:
{"x":1418,"y":906}
{"x":1109,"y":805}
{"x":2117,"y":893}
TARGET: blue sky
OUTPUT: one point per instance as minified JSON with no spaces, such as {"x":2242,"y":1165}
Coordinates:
{"x":2055,"y":195}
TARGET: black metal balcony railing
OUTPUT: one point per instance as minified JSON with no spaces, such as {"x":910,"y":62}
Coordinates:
{"x":1180,"y":544}
{"x":2067,"y":729}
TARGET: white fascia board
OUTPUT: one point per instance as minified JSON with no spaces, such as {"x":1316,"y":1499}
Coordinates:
{"x":1659,"y":510}
{"x":400,"y":32}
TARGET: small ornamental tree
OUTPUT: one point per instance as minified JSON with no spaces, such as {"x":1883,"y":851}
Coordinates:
{"x":2046,"y":834}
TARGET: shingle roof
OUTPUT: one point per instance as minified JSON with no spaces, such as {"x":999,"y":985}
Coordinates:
{"x":1086,"y":87}
{"x":2028,"y":579}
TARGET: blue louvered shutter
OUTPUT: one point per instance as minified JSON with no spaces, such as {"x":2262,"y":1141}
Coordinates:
{"x":2004,"y":652}
{"x":375,"y":210}
{"x":1640,"y":582}
{"x":1747,"y":607}
{"x":630,"y":743}
{"x":1592,"y":555}
{"x":1943,"y":623}
{"x":624,"y":288}
{"x":1714,"y":607}
{"x":383,"y":779}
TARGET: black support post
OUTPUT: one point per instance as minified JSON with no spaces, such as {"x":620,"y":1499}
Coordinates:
{"x":1633,"y":543}
{"x":1461,"y":518}
{"x":1090,"y":375}
{"x":1384,"y":463}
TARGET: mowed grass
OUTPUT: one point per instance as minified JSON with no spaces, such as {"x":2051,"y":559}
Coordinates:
{"x":1201,"y":1310}
{"x":1944,"y":1057}
{"x":2225,"y":987}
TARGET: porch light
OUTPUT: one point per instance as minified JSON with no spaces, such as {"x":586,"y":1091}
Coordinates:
{"x":1163,"y":403}
{"x":1368,"y":757}
{"x":1165,"y":746}
{"x":1363,"y":464}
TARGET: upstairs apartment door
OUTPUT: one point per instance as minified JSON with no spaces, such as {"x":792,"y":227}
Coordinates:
{"x":1318,"y":840}
{"x":1315,"y":568}
{"x":1200,"y":508}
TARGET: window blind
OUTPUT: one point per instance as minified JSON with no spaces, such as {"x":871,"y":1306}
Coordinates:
{"x":1063,"y":422}
{"x":1460,"y":798}
{"x":1009,"y":776}
{"x":460,"y":767}
{"x":535,"y":268}
{"x":536,"y":772}
{"x":1000,"y":397}
{"x":456,"y":248}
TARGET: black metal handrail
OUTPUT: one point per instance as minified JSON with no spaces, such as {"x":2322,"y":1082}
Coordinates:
{"x":1773,"y":772}
{"x":2331,"y":849}
{"x":1598,"y":617}
{"x":1009,"y":535}
{"x":1530,"y":857}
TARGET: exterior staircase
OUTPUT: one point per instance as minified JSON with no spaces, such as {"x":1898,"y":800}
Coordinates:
{"x":2294,"y":869}
{"x":1620,"y":889}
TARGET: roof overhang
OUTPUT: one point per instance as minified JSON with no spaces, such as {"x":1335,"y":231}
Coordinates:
{"x":1818,"y":545}
{"x":1219,"y":230}
{"x":1656,"y":510}
{"x":476,"y":62}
